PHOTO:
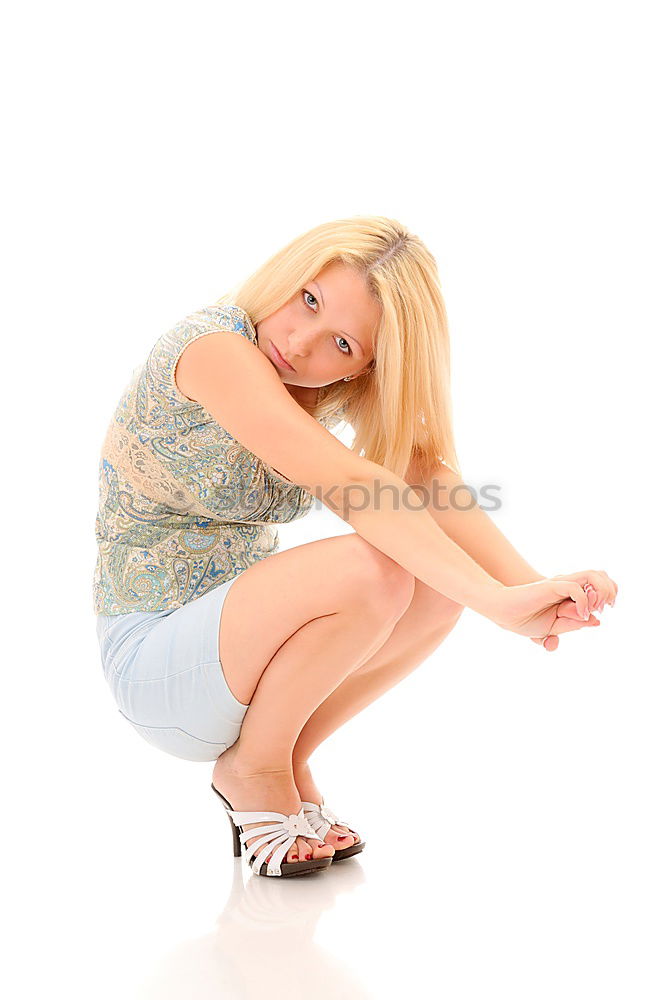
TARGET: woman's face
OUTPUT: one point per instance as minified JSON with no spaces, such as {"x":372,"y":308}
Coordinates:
{"x":325,"y":331}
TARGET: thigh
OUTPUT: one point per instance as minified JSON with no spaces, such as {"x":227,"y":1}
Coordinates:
{"x":269,"y":602}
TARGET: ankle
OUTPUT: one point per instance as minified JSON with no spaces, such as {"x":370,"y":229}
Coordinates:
{"x":306,"y":786}
{"x":250,"y":769}
{"x":243,"y":764}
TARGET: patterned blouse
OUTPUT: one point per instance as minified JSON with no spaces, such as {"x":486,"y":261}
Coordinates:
{"x":183,"y":506}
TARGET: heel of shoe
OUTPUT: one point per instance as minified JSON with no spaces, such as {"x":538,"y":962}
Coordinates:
{"x":237,"y":848}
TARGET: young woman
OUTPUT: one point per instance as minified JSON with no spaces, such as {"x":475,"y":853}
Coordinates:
{"x":215,"y":652}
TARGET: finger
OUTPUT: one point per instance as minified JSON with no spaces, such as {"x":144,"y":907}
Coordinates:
{"x":550,"y":642}
{"x":568,"y":588}
{"x":602,"y":584}
{"x":598,"y":602}
{"x":598,"y":579}
{"x":568,"y":609}
{"x":607,"y":586}
{"x":571,"y":625}
{"x":593,"y":596}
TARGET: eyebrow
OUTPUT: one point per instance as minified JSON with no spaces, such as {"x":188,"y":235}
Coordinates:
{"x":320,"y":292}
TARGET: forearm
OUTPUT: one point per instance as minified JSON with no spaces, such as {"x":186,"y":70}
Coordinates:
{"x":394,"y":521}
{"x":473,"y":530}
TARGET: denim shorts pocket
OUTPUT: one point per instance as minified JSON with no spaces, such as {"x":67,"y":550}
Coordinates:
{"x":177,"y":742}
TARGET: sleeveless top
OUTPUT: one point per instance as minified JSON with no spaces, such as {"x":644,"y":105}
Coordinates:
{"x":183,"y":505}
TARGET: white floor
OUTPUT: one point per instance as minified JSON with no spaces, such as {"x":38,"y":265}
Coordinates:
{"x":511,"y":804}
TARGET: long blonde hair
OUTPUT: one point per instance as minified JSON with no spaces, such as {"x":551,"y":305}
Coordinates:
{"x":400,"y":410}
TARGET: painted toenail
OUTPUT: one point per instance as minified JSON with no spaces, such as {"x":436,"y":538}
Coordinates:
{"x":308,"y":857}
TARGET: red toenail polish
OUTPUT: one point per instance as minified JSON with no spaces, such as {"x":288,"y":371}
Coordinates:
{"x":308,"y":857}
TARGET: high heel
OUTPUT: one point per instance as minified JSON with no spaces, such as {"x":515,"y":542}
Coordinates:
{"x":321,"y":819}
{"x":280,"y":833}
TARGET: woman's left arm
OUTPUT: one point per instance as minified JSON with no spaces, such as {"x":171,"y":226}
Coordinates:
{"x":470,"y":527}
{"x":474,"y":531}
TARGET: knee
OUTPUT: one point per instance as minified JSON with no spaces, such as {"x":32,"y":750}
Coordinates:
{"x":384,"y":584}
{"x":442,"y":612}
{"x":435,"y":604}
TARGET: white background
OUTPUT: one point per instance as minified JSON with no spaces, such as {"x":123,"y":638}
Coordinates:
{"x":510,"y":798}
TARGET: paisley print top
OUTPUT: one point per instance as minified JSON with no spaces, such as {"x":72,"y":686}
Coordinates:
{"x":183,"y":506}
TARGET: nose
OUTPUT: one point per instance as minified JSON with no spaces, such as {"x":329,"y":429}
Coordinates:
{"x":300,"y":342}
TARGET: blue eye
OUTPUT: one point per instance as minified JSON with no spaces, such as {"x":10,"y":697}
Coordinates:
{"x":312,"y":296}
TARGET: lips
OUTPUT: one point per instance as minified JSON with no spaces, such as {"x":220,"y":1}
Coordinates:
{"x":278,"y":358}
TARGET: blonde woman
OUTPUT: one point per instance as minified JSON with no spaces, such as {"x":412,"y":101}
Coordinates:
{"x":218,"y":647}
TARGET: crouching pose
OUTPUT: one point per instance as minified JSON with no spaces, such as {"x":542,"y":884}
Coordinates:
{"x":218,"y":647}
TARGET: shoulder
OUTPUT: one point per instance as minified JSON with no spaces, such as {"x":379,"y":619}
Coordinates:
{"x":161,"y":389}
{"x":208,"y":319}
{"x":227,"y":316}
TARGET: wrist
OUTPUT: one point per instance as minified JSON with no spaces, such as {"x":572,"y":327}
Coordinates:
{"x":488,"y":599}
{"x":521,"y":576}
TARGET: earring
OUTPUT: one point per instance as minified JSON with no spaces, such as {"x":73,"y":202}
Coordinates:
{"x":348,"y":379}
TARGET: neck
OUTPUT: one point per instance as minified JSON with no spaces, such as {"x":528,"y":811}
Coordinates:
{"x":304,"y":395}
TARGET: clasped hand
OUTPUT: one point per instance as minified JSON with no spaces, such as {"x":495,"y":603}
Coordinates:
{"x":543,"y":610}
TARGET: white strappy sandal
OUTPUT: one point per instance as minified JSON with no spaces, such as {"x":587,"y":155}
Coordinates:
{"x":280,"y":833}
{"x":321,"y":819}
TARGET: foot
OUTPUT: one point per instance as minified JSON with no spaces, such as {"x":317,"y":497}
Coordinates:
{"x":338,"y":836}
{"x":272,"y":791}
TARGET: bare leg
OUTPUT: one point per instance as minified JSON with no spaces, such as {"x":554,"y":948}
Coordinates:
{"x":427,"y":622}
{"x":256,"y":772}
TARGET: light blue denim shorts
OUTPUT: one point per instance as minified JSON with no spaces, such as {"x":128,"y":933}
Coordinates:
{"x":164,"y":671}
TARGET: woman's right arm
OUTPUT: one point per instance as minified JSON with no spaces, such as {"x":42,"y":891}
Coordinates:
{"x":392,"y":521}
{"x":242,"y":391}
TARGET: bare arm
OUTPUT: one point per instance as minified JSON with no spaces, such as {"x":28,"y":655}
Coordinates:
{"x":385,"y":510}
{"x":470,"y":527}
{"x":240,"y":389}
